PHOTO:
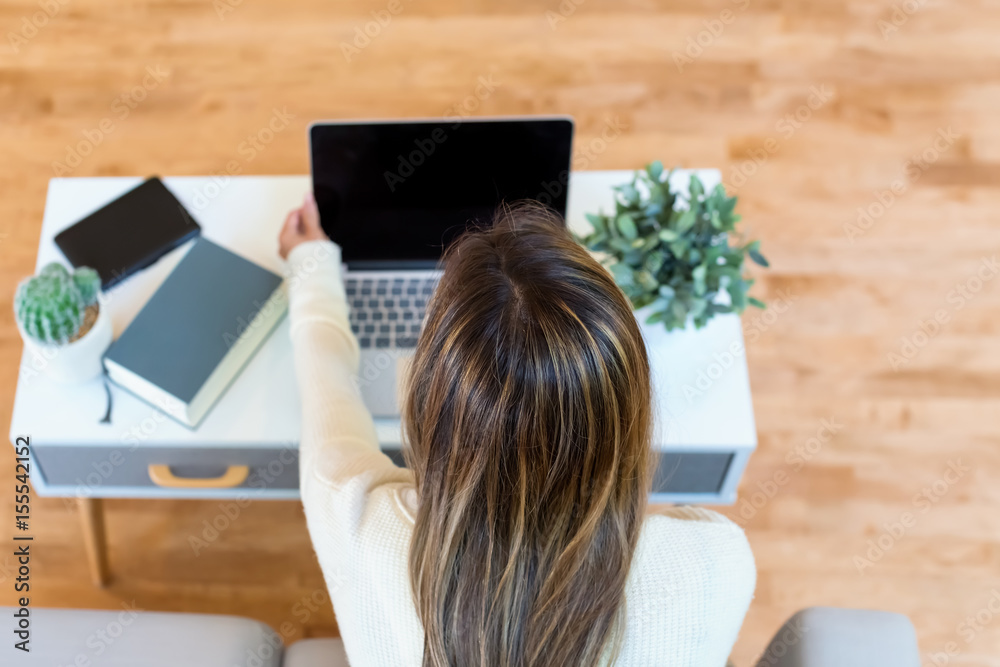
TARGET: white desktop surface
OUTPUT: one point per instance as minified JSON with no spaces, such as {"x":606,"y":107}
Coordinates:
{"x":262,"y":409}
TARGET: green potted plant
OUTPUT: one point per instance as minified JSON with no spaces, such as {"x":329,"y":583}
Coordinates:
{"x":673,"y":252}
{"x":62,"y":323}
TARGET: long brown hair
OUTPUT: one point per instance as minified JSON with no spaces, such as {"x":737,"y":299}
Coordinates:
{"x":527,"y":423}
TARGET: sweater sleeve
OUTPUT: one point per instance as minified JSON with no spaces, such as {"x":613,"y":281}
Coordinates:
{"x":339,"y":458}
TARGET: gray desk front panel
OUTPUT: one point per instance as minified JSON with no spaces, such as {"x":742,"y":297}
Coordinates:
{"x":91,"y":470}
{"x":691,"y":472}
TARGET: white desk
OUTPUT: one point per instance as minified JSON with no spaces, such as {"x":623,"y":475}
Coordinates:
{"x":705,"y":419}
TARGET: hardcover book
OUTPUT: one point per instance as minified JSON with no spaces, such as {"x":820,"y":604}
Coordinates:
{"x":197,"y":331}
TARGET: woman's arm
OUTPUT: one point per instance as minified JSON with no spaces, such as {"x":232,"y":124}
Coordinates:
{"x":335,"y":423}
{"x":338,"y":445}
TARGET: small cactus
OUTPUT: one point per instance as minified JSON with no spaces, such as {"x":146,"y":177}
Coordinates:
{"x":89,"y":284}
{"x":50,"y":306}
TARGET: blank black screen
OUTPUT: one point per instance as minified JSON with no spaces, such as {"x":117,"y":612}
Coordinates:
{"x":395,"y":194}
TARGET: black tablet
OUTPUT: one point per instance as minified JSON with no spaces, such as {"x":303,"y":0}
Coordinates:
{"x":130,"y":233}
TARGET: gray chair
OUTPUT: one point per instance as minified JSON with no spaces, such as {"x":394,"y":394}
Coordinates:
{"x":832,"y":637}
{"x":816,"y":637}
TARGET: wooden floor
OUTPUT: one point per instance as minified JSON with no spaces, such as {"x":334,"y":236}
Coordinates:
{"x":812,"y":109}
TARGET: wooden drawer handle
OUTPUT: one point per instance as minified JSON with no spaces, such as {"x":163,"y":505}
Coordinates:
{"x":163,"y":476}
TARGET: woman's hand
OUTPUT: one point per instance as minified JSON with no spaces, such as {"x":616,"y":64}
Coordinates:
{"x":301,"y":225}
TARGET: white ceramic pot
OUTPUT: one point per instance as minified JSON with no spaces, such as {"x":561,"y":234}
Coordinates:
{"x":74,"y":362}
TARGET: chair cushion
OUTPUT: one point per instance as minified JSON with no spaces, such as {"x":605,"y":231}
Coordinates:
{"x":130,"y":638}
{"x":316,"y":653}
{"x":832,"y":637}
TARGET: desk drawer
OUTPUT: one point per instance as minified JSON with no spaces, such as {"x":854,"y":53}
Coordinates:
{"x":90,"y":469}
{"x":676,"y":472}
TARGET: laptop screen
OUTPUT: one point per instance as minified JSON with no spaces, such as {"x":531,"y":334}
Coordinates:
{"x":393,"y":195}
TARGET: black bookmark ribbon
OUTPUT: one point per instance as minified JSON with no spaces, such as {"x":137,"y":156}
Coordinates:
{"x":107,"y":390}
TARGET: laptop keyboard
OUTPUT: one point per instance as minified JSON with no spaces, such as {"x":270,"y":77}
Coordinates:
{"x":388,"y":312}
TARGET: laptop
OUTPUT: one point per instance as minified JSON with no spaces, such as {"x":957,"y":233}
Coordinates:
{"x":394,"y":194}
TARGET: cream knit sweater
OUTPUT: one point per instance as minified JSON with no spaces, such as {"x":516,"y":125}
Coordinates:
{"x":692,"y":576}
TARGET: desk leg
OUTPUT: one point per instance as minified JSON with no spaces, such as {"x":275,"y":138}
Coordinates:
{"x":94,"y":539}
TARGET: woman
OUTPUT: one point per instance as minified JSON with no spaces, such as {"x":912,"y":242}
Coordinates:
{"x":518,"y":534}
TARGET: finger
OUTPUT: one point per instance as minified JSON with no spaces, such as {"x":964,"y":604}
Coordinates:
{"x":293,"y":223}
{"x":310,"y":214}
